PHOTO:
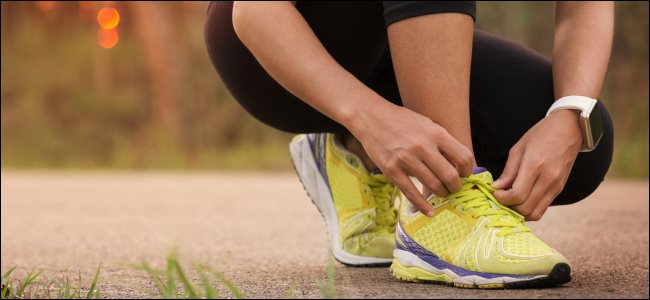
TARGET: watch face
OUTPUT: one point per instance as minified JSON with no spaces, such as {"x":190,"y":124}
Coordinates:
{"x":596,"y":124}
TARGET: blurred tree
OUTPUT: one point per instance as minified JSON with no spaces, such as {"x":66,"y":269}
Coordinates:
{"x":157,"y":34}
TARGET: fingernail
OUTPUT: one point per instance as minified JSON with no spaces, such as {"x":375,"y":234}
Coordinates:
{"x":430,"y":213}
{"x":496,"y":182}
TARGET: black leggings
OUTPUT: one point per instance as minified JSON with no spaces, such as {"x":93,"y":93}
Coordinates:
{"x":511,"y":86}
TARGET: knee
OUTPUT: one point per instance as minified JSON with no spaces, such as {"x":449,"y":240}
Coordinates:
{"x":578,"y":192}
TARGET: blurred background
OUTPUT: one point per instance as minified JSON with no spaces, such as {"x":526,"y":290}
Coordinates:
{"x":128,"y":85}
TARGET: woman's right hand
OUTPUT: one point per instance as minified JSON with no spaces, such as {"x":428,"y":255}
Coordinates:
{"x":403,"y":143}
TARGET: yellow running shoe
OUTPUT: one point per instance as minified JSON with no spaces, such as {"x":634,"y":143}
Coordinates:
{"x":474,"y":242}
{"x":357,"y":205}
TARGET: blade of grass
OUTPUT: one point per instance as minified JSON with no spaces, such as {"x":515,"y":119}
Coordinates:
{"x":210,"y":291}
{"x":232,"y":287}
{"x":170,"y":287}
{"x":153,"y":274}
{"x":6,"y":279}
{"x":6,"y":274}
{"x":189,"y":289}
{"x":63,"y":290}
{"x":6,"y":289}
{"x":28,"y":281}
{"x":93,"y":284}
{"x":73,"y":291}
{"x":328,"y":288}
{"x":66,"y":289}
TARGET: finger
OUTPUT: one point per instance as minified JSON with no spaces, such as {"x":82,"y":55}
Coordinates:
{"x":510,"y":171}
{"x":521,"y":187}
{"x":428,"y":179}
{"x":461,"y":157}
{"x":543,"y":204}
{"x":411,"y":192}
{"x":540,"y":188}
{"x":426,"y":192}
{"x":444,"y":171}
{"x":557,"y":185}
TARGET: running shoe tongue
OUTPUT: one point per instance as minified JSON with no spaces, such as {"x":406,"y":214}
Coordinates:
{"x":483,"y":173}
{"x":478,"y":172}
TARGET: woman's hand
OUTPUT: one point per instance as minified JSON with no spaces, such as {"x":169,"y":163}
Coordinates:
{"x":539,"y":164}
{"x":401,"y":142}
{"x":404,"y":143}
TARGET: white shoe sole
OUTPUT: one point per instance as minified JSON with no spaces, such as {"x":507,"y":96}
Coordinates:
{"x":410,"y":260}
{"x":317,"y":189}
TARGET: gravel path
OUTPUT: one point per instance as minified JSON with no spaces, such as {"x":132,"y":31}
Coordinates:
{"x":263,"y":233}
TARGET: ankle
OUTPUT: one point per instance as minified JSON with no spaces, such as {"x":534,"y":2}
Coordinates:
{"x":353,"y":145}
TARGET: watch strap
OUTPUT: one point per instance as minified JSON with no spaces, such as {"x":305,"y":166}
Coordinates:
{"x":581,"y":103}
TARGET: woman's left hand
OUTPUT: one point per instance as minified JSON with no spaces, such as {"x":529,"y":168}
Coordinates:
{"x":539,"y":164}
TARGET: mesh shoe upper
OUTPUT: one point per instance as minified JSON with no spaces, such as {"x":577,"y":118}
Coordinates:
{"x":473,"y":231}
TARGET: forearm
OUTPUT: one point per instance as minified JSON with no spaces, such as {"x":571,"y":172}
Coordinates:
{"x":287,"y":48}
{"x":582,"y":46}
{"x":432,"y":55}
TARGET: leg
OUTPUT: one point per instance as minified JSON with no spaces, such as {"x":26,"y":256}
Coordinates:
{"x":504,"y":75}
{"x":357,"y":43}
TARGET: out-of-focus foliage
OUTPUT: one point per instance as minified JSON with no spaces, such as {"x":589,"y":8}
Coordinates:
{"x":67,"y":102}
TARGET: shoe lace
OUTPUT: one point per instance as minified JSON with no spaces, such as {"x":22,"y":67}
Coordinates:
{"x":476,"y":198}
{"x":384,"y":193}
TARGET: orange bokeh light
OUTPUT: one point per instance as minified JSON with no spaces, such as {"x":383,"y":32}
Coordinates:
{"x":107,"y":38}
{"x":108,"y":18}
{"x":45,"y":6}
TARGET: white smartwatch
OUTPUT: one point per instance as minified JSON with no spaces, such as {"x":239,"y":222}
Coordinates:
{"x":591,"y":123}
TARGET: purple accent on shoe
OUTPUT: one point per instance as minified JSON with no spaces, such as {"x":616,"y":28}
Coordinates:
{"x":317,"y":142}
{"x":310,"y":138}
{"x":478,"y":170}
{"x":376,"y":171}
{"x":400,"y":247}
{"x":433,"y":260}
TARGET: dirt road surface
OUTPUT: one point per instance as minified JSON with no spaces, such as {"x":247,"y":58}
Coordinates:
{"x":261,"y":231}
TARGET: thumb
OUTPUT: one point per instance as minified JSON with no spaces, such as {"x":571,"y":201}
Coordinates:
{"x":509,"y":172}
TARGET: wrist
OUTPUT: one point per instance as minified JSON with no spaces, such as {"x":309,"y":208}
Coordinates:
{"x":571,"y":124}
{"x":363,"y":110}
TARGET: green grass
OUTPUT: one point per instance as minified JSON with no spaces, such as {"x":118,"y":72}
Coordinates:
{"x":33,"y":286}
{"x":173,"y":282}
{"x":328,"y":287}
